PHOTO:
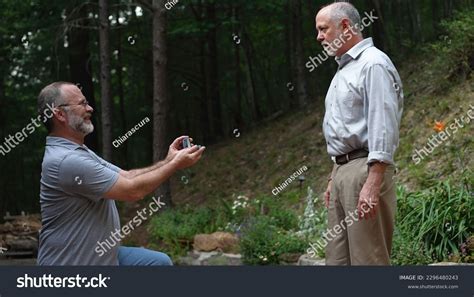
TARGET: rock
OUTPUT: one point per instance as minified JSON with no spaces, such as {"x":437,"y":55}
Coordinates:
{"x":223,"y":259}
{"x":289,"y":258}
{"x":205,"y":242}
{"x":470,"y":243}
{"x":307,"y":260}
{"x":221,"y":241}
{"x":26,"y":225}
{"x":20,"y":234}
{"x":10,"y":238}
{"x":450,"y":264}
{"x":23,"y":245}
{"x":196,"y":258}
{"x":227,"y":242}
{"x":6,"y":228}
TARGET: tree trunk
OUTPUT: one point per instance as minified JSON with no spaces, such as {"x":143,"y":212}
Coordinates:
{"x":312,"y":10}
{"x":250,"y":75}
{"x":160,"y":99}
{"x":80,"y":68}
{"x":205,"y":118}
{"x":4,"y":190}
{"x":289,"y":38}
{"x":415,"y":21}
{"x":214,"y":104}
{"x":106,"y":99}
{"x":301,"y":84}
{"x":435,"y":15}
{"x":378,"y":27}
{"x":448,"y":8}
{"x":238,"y":120}
{"x":123,"y":114}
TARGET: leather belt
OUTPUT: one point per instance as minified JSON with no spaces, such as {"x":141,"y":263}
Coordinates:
{"x":343,"y":159}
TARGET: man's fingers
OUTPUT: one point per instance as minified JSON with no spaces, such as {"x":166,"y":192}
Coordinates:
{"x":360,"y":214}
{"x":192,"y":149}
{"x":326,"y":198}
{"x":177,"y":142}
{"x":362,"y":209}
{"x":373,"y":212}
{"x":198,"y":152}
{"x":369,"y":215}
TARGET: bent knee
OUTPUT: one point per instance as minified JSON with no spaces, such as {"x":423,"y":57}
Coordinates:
{"x":162,"y":260}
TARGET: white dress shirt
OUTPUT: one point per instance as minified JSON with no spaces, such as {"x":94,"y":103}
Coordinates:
{"x":364,"y":104}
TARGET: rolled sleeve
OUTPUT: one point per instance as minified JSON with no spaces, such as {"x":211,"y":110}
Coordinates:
{"x":83,"y":176}
{"x":382,"y":114}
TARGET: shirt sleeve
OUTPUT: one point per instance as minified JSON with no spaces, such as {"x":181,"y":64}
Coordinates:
{"x":107,"y":164}
{"x":382,"y":114}
{"x":85,"y":177}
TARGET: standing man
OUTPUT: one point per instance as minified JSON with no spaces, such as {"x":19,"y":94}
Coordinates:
{"x":363,"y":110}
{"x":78,"y":188}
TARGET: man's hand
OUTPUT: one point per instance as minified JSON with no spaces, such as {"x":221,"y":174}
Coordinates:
{"x":175,"y":147}
{"x":370,"y":194}
{"x":135,"y":184}
{"x":327,"y":194}
{"x":187,"y":157}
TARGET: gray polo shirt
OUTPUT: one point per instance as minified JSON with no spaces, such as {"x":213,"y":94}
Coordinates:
{"x":364,"y":104}
{"x":75,"y":215}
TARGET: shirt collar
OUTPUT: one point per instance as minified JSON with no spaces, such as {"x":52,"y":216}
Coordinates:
{"x":63,"y":142}
{"x":354,"y":52}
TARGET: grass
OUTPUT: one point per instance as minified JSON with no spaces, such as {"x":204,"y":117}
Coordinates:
{"x":434,"y":223}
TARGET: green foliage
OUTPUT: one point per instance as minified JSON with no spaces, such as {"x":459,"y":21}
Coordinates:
{"x":259,"y":241}
{"x":177,"y":227}
{"x":263,"y":243}
{"x":313,"y":221}
{"x":266,"y":226}
{"x":452,"y":54}
{"x":244,"y":209}
{"x":280,"y":236}
{"x":405,"y":252}
{"x":284,"y":218}
{"x":433,"y":224}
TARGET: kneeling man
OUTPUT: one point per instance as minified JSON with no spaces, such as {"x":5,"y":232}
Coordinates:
{"x":78,"y":188}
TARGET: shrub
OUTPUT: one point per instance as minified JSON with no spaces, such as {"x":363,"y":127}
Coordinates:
{"x":265,"y":224}
{"x":176,"y":227}
{"x":453,"y":54}
{"x":244,"y":209}
{"x":406,"y":252}
{"x":263,"y":243}
{"x":433,"y":223}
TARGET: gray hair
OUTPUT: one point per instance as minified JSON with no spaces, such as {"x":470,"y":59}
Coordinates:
{"x":341,"y":10}
{"x":51,"y":95}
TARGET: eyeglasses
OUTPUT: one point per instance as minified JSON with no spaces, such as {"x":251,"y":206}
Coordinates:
{"x":84,"y":103}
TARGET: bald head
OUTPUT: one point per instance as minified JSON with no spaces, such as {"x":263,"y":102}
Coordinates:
{"x":339,"y":11}
{"x":338,"y":27}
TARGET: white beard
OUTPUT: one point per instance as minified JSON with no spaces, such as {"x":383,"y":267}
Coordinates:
{"x":79,"y":124}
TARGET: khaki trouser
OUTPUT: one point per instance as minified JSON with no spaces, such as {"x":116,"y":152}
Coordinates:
{"x":359,"y":242}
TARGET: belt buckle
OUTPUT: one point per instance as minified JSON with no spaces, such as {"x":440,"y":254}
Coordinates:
{"x":347,"y":158}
